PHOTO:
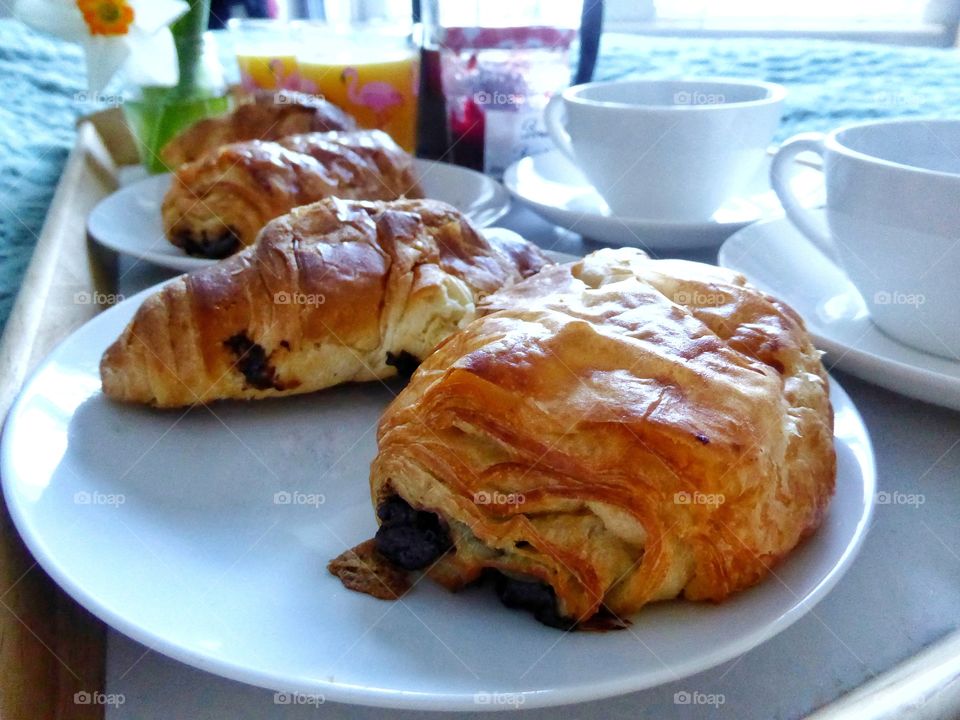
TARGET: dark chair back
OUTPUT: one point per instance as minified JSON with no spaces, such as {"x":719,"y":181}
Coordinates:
{"x":591,"y":25}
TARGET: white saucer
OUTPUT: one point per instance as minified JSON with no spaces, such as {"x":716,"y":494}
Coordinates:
{"x":555,"y":188}
{"x":129,"y":222}
{"x":777,"y":258}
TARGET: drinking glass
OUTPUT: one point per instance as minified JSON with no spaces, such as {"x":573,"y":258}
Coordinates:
{"x":365,"y":58}
{"x":266,"y":54}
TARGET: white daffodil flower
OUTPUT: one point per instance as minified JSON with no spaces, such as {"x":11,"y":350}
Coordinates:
{"x":133,"y":34}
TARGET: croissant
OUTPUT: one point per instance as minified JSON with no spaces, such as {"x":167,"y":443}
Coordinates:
{"x":334,"y":292}
{"x":218,"y":204}
{"x":270,"y":116}
{"x":608,"y":433}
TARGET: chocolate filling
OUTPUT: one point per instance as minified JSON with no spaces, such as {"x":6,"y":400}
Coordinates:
{"x":253,"y":362}
{"x":533,"y":596}
{"x":405,"y":363}
{"x":413,"y":539}
{"x":409,"y":538}
{"x":212,"y":246}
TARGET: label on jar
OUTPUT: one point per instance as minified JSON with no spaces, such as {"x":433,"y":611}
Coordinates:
{"x":510,"y":135}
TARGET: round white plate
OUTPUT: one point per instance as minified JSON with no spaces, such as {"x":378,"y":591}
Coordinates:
{"x":129,"y":222}
{"x":776,"y":257}
{"x":205,"y":534}
{"x":555,"y":188}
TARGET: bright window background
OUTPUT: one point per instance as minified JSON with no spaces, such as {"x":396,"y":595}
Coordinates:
{"x":901,"y":22}
{"x":865,"y":10}
{"x":781,"y":12}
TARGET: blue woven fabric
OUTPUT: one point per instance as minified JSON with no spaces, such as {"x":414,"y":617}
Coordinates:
{"x":830,"y":83}
{"x":39,"y":80}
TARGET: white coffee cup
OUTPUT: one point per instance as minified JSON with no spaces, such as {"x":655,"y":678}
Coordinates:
{"x":667,"y":150}
{"x":893,"y":211}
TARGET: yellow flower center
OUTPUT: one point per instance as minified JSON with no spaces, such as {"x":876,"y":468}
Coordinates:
{"x":106,"y":17}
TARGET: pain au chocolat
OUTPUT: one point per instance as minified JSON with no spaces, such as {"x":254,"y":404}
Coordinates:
{"x":217,"y":205}
{"x":610,"y":432}
{"x":267,"y":116}
{"x":334,"y":292}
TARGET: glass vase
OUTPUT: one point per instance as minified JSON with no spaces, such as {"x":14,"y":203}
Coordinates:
{"x":156,"y":114}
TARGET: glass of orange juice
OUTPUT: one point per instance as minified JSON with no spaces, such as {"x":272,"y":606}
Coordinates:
{"x":266,"y":54}
{"x":369,"y":68}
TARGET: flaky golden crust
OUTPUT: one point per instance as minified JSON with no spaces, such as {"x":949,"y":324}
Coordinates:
{"x":270,"y":116}
{"x":626,"y":430}
{"x":218,"y":204}
{"x":364,"y":570}
{"x":334,"y":292}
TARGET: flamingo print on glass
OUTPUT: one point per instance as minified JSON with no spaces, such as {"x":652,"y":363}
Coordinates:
{"x":380,"y":92}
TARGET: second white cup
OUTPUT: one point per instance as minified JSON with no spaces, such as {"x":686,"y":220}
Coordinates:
{"x":894,"y":221}
{"x":668,"y":150}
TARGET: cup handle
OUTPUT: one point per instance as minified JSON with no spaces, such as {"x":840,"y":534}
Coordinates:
{"x":779,"y":179}
{"x":558,"y":133}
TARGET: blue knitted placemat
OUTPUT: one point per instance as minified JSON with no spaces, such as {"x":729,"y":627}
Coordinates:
{"x":39,"y":80}
{"x":830,"y":84}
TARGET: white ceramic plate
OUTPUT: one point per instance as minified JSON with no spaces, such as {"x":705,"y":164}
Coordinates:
{"x":555,"y":188}
{"x":776,"y":257}
{"x":169,"y":526}
{"x":129,"y":222}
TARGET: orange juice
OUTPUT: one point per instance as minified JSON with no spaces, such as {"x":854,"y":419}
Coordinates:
{"x":379,"y":91}
{"x":268,"y":72}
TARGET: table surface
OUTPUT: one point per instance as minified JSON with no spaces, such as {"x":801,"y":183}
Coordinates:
{"x":900,"y":595}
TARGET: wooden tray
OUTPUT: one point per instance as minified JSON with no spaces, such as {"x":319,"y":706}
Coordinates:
{"x":51,"y":648}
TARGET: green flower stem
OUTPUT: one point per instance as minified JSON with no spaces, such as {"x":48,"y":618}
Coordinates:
{"x":188,"y":35}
